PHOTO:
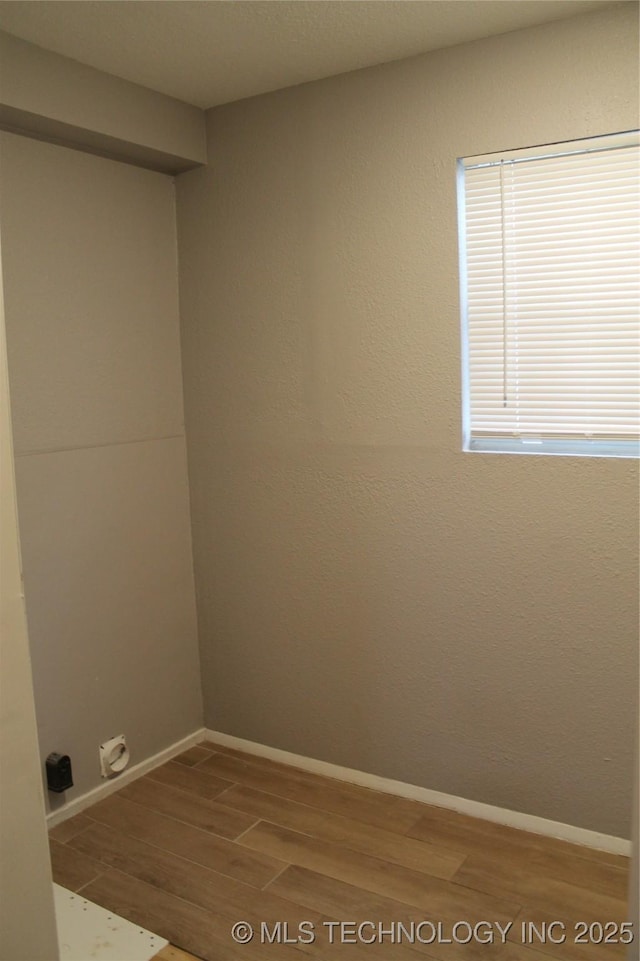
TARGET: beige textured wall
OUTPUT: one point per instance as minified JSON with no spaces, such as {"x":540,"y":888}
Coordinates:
{"x":368,"y":594}
{"x":25,"y":871}
{"x":90,"y":272}
{"x":59,"y":99}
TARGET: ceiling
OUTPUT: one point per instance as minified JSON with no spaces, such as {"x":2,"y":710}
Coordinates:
{"x":208,"y":52}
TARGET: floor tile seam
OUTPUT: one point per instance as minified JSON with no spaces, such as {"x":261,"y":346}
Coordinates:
{"x":326,"y":811}
{"x":311,"y":776}
{"x":344,"y":846}
{"x":412,"y":906}
{"x":178,"y":820}
{"x":181,"y":857}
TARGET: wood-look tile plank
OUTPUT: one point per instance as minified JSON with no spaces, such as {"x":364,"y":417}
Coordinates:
{"x":441,"y":898}
{"x":211,"y":745}
{"x":476,"y":835}
{"x":70,"y":868}
{"x":350,"y":902}
{"x":225,"y":856}
{"x":181,"y":923}
{"x":339,"y":899}
{"x":269,"y":764}
{"x":352,"y":834}
{"x":333,"y":943}
{"x":582,"y":872}
{"x":193,"y":755}
{"x":349,"y":800}
{"x":189,"y":779}
{"x":519,"y":952}
{"x":525,"y":882}
{"x":410,"y":810}
{"x":197,"y":811}
{"x":68,"y":829}
{"x":570,"y":949}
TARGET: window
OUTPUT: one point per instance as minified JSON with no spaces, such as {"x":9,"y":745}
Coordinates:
{"x":550,"y":251}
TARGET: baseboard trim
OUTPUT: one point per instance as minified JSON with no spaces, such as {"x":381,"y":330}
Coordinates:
{"x":131,"y":774}
{"x":515,"y":819}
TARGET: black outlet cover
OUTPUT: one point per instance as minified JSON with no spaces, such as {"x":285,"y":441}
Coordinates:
{"x":59,"y":776}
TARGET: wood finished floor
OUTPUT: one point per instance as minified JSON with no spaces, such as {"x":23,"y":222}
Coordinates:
{"x":216,"y":836}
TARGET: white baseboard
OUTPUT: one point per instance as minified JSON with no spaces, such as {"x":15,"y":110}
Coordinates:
{"x":131,"y":774}
{"x":514,"y":819}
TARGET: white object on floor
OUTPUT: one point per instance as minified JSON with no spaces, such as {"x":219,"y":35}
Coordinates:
{"x":87,"y":932}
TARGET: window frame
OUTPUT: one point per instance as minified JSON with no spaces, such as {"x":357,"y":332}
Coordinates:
{"x":502,"y":443}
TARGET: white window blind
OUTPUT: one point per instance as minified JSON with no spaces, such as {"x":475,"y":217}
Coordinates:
{"x":550,"y":255}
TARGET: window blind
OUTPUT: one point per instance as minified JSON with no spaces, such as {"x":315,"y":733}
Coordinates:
{"x":550,"y":245}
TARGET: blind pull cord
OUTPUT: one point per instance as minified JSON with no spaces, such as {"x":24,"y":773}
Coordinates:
{"x":504,"y":289}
